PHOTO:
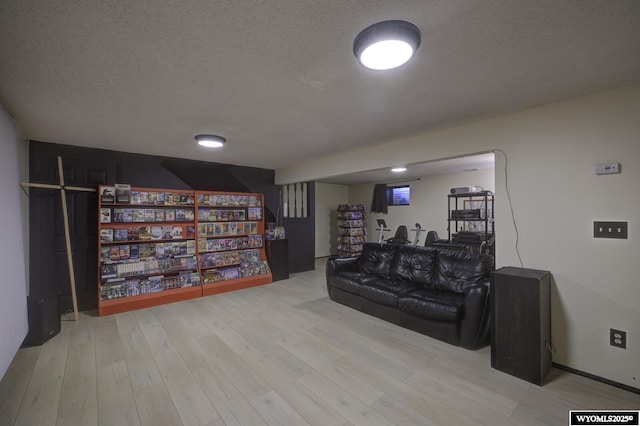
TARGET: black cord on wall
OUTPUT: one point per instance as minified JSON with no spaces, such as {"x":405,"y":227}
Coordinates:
{"x":513,"y":217}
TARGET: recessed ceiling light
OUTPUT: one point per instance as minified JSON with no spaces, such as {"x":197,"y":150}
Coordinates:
{"x":210,"y":141}
{"x":387,"y":44}
{"x":399,"y":169}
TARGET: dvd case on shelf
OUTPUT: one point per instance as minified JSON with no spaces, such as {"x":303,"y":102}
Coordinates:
{"x":105,"y":215}
{"x":108,"y":194}
{"x":123,"y":193}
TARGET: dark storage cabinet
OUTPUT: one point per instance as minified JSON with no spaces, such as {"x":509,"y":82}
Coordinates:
{"x":521,"y":322}
{"x":278,"y":256}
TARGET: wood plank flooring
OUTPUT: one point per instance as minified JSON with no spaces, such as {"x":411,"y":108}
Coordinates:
{"x":280,"y":354}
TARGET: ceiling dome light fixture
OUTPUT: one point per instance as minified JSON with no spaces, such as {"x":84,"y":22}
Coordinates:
{"x":210,"y":141}
{"x":399,"y":169}
{"x":387,"y":44}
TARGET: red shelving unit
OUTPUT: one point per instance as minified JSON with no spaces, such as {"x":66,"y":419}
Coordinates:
{"x":147,"y":248}
{"x":158,"y":246}
{"x":230,"y":232}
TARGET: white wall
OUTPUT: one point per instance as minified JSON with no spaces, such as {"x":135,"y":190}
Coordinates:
{"x":328,"y":196}
{"x":13,"y":286}
{"x":428,"y":203}
{"x":552,"y":151}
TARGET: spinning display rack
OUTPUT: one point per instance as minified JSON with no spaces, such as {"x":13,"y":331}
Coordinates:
{"x":352,"y":229}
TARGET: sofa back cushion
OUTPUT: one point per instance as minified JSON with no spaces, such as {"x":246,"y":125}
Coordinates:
{"x":458,"y":270}
{"x":376,"y":259}
{"x":415,"y":264}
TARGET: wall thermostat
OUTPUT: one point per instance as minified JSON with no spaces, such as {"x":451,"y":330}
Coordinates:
{"x":607,"y":169}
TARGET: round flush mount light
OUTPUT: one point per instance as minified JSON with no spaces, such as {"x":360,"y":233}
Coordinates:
{"x":387,"y":44}
{"x":210,"y":141}
{"x":399,"y":169}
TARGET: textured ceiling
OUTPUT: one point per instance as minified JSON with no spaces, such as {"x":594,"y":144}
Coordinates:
{"x":278,"y":78}
{"x":417,"y":170}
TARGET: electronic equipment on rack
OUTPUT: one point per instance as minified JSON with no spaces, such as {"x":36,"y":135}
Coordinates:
{"x":466,"y":214}
{"x":468,"y":237}
{"x":469,"y":190}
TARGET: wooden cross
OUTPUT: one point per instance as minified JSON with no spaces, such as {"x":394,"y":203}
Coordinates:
{"x":65,"y":214}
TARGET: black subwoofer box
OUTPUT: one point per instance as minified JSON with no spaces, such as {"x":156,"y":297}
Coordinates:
{"x":521,"y":322}
{"x":44,"y":319}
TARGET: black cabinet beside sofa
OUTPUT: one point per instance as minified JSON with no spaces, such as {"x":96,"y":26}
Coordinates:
{"x":438,"y":292}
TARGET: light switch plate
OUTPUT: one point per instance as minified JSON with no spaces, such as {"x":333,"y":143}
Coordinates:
{"x":610,"y":230}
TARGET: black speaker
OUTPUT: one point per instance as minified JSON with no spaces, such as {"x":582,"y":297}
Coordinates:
{"x":44,"y":319}
{"x":521,"y":322}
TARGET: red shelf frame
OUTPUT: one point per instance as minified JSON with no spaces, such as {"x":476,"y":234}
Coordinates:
{"x":130,"y":303}
{"x":235,"y":284}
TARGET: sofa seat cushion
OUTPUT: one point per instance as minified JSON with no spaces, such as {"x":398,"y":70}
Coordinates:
{"x":385,"y":292}
{"x":433,"y":304}
{"x":350,"y":281}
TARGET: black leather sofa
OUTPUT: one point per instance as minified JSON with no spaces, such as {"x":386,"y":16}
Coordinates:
{"x":438,"y":292}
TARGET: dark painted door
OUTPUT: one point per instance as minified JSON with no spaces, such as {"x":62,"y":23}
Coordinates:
{"x":48,"y":268}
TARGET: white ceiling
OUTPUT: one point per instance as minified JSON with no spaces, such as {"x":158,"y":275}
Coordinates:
{"x":278,"y":78}
{"x":417,"y":171}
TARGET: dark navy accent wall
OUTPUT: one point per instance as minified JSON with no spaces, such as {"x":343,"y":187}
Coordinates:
{"x":91,"y":167}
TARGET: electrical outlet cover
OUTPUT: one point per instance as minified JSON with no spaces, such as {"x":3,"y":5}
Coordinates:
{"x":618,"y":338}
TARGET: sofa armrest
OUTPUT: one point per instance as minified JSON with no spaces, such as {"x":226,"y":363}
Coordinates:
{"x":474,"y":327}
{"x":337,"y":264}
{"x":342,"y":264}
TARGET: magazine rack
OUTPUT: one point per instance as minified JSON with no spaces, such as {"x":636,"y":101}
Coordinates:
{"x":159,"y":246}
{"x":230,"y":232}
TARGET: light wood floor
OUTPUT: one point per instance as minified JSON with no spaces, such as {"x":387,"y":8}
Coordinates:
{"x":280,"y":354}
